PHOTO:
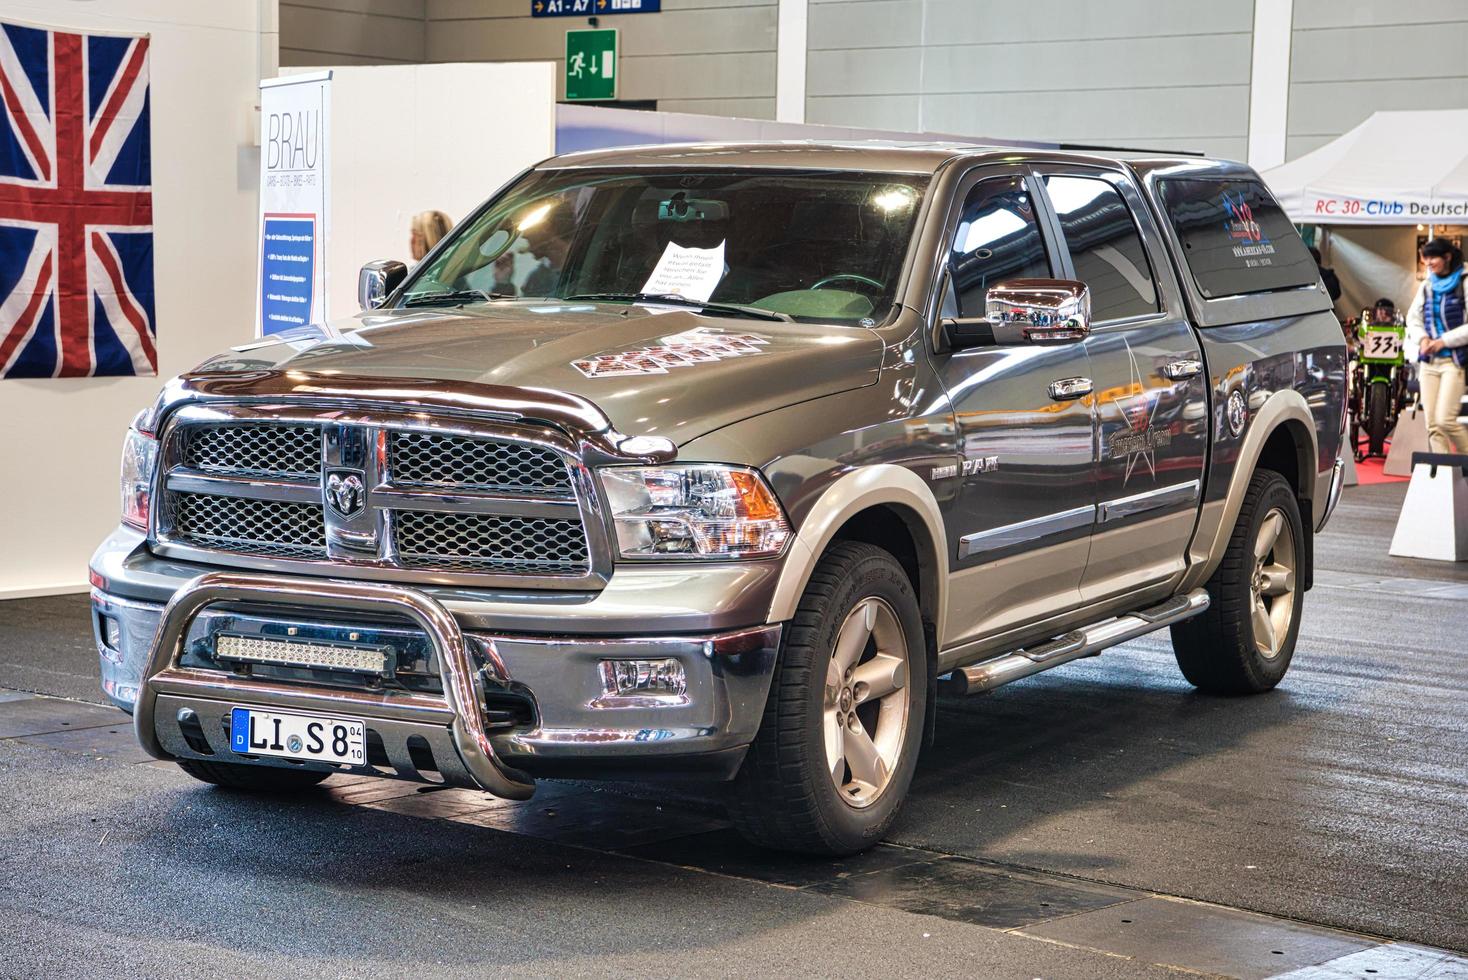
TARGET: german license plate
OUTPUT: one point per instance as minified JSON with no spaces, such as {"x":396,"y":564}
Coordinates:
{"x":309,"y":738}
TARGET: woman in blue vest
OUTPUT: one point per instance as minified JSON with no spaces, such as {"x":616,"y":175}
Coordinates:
{"x":1436,"y":330}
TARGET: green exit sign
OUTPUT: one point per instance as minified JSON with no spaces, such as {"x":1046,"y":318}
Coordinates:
{"x":591,"y":65}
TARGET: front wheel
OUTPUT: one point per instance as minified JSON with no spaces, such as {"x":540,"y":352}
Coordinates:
{"x":841,"y":730}
{"x":1244,"y":641}
{"x":1378,"y":410}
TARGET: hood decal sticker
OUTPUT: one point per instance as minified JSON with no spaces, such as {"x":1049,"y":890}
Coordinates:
{"x":698,"y":346}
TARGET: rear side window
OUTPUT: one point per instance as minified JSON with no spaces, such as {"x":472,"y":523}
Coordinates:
{"x":1105,"y":246}
{"x":997,"y":239}
{"x":1235,"y":239}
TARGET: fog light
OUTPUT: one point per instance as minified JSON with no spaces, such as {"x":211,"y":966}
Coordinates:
{"x":637,"y":678}
{"x":112,"y":633}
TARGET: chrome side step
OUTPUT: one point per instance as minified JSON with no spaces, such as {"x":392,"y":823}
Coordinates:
{"x":1070,"y":646}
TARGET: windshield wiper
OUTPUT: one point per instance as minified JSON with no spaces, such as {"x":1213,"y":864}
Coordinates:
{"x":454,"y":297}
{"x":673,"y":299}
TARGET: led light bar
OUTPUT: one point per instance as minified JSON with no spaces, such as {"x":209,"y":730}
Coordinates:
{"x":300,"y":653}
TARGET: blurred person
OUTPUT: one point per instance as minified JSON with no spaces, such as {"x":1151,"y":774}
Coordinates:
{"x":548,"y":232}
{"x":425,"y":230}
{"x":1327,"y":276}
{"x":1437,"y":333}
{"x":504,"y":272}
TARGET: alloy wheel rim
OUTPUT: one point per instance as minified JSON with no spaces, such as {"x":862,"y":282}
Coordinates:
{"x":1272,"y":586}
{"x":867,"y":700}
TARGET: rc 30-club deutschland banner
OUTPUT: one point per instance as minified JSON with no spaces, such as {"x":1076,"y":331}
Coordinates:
{"x":76,"y":205}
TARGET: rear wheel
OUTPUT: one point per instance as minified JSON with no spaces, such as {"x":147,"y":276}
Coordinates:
{"x":1378,"y":416}
{"x":1243,"y":643}
{"x":840,"y":736}
{"x":259,"y":779}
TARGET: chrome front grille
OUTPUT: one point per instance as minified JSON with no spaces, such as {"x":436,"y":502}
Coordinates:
{"x":277,"y":528}
{"x":264,"y":449}
{"x":427,"y":459}
{"x":466,"y":502}
{"x":490,"y":543}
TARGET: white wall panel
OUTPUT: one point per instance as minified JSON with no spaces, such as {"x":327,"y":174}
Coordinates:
{"x":1048,"y":21}
{"x":1350,"y":58}
{"x":341,"y":32}
{"x":1128,"y":72}
{"x":60,"y":439}
{"x":694,"y":50}
{"x":378,"y":184}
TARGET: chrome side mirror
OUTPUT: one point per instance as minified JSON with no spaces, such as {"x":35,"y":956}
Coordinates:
{"x":1039,"y":311}
{"x":377,"y":280}
{"x":1026,"y":311}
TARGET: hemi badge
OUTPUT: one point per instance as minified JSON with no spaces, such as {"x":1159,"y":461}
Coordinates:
{"x":977,"y":464}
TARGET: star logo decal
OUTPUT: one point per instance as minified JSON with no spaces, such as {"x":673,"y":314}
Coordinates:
{"x":1139,"y":411}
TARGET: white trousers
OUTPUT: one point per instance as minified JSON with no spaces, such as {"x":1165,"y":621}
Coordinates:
{"x":1442,"y":396}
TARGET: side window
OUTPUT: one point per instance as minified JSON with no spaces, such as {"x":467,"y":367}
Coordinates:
{"x":1105,"y":246}
{"x":997,"y":239}
{"x":1236,"y":239}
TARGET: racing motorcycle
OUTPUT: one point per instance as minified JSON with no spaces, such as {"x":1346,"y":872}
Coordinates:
{"x":1380,"y":386}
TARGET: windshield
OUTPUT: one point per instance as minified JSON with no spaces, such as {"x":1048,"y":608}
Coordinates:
{"x":803,"y":244}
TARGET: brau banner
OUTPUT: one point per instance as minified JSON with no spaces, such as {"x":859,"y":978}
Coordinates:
{"x":295,"y":140}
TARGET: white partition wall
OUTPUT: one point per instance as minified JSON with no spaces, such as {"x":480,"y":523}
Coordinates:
{"x":60,"y":439}
{"x":410,"y":138}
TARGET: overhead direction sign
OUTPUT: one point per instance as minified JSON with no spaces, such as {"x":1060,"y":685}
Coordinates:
{"x":591,"y":65}
{"x":592,"y":8}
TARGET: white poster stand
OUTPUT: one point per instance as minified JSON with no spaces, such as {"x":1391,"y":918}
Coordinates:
{"x":295,"y":149}
{"x":1433,"y":523}
{"x":1409,"y":436}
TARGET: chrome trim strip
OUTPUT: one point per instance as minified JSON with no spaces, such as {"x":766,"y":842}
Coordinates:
{"x":462,"y":686}
{"x":1138,"y":503}
{"x":1024,"y":532}
{"x":400,"y":497}
{"x":248,"y":488}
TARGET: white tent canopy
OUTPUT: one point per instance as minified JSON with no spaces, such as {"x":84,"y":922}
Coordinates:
{"x":1396,"y":168}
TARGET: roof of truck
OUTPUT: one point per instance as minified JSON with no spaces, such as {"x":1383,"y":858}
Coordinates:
{"x":881,"y":156}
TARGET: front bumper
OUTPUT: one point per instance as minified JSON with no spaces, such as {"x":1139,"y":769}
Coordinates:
{"x":181,"y":705}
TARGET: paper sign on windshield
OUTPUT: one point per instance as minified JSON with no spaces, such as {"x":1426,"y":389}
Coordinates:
{"x":692,"y":273}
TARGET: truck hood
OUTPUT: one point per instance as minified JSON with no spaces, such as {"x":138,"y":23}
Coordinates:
{"x":661,"y":371}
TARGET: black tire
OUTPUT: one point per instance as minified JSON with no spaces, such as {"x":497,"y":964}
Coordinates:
{"x":1378,"y":416}
{"x":784,"y":796}
{"x":1217,"y":650}
{"x":257,"y":779}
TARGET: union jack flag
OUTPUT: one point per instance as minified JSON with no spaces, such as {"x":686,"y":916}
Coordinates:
{"x":76,"y":206}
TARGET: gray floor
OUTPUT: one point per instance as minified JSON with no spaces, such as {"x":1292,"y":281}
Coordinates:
{"x":1038,"y":838}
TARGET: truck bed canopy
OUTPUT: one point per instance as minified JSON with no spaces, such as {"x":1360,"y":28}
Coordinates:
{"x":1396,"y":168}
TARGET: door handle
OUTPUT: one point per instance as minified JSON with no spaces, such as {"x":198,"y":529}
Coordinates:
{"x":1183,"y":369}
{"x":1069,"y":389}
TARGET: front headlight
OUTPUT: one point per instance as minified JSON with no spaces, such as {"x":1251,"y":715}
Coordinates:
{"x":139,"y":456}
{"x":699,"y":511}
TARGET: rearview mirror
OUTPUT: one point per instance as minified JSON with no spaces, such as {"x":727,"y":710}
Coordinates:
{"x":1026,"y":311}
{"x":377,"y":280}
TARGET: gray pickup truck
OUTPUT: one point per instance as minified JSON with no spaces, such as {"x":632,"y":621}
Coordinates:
{"x":719,"y":462}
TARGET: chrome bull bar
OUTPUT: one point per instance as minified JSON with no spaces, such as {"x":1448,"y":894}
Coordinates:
{"x":457,"y":709}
